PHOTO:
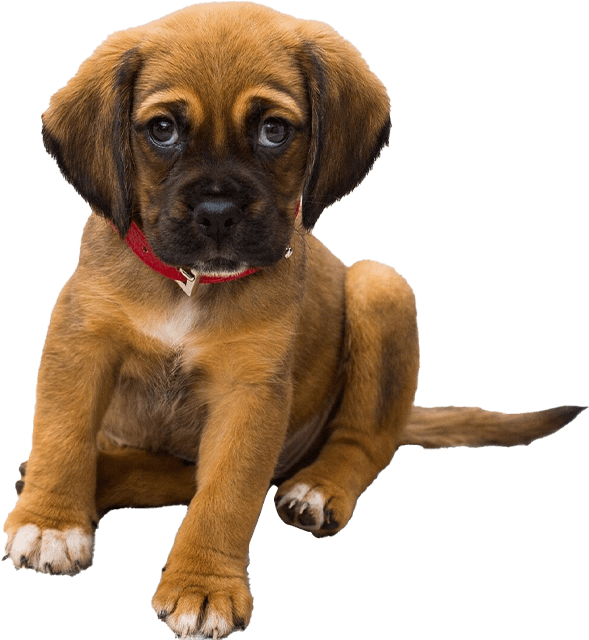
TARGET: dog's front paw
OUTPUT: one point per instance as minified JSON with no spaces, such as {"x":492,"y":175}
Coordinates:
{"x":319,"y":507}
{"x":48,"y":540}
{"x":203,"y":606}
{"x":50,"y":550}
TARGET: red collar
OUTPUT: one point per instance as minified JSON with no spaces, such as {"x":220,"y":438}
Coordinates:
{"x":187,"y":280}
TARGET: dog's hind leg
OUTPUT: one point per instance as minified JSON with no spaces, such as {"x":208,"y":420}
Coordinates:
{"x":128,"y":477}
{"x":135,"y":478}
{"x":382,"y":362}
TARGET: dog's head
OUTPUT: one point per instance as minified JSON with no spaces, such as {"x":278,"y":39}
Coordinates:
{"x":208,"y":126}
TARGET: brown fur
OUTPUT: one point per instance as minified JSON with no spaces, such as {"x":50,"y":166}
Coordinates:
{"x":303,"y":374}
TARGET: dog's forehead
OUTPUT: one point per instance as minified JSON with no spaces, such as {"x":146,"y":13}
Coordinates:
{"x":221,"y":51}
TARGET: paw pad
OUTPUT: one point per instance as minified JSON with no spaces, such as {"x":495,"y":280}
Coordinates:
{"x":19,"y":485}
{"x":307,"y":508}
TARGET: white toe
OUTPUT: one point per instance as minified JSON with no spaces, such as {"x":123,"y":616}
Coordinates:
{"x":50,"y":550}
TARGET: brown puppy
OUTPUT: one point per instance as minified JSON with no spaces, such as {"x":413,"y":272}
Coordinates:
{"x":204,"y":130}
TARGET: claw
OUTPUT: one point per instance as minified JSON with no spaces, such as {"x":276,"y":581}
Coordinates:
{"x":306,"y":518}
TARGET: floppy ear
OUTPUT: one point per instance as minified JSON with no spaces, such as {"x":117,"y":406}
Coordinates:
{"x":87,"y":129}
{"x":350,"y":118}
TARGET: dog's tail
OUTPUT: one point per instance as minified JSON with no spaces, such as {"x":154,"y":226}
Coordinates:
{"x":470,"y":427}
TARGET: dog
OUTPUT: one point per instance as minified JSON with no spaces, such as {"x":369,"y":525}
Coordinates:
{"x":208,"y":346}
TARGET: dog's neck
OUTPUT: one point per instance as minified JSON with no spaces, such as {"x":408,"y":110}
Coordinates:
{"x":187,"y":280}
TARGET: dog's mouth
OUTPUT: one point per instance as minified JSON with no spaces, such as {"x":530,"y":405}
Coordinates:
{"x":219,"y":267}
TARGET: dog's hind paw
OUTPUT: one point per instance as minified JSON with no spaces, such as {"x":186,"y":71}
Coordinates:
{"x":322,"y":509}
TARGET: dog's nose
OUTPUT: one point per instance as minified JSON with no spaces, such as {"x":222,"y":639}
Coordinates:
{"x":218,"y":218}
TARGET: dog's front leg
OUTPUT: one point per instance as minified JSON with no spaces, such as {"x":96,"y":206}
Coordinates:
{"x":51,"y":528}
{"x":204,"y":588}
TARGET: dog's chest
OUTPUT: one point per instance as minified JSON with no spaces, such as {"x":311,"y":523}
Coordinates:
{"x":159,"y":402}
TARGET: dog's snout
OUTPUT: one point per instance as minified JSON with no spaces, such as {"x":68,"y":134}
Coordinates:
{"x":218,"y":218}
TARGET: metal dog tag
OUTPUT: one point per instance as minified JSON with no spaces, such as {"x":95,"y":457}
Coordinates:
{"x":192,"y":280}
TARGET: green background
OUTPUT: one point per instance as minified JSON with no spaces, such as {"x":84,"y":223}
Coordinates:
{"x":481,"y":202}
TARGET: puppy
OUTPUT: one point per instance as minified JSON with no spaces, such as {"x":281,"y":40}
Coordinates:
{"x":208,"y":346}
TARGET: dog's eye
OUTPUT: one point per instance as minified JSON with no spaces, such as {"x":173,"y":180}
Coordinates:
{"x":163,"y":132}
{"x":273,"y":132}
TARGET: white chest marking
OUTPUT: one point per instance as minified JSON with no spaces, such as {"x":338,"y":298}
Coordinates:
{"x":173,"y":326}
